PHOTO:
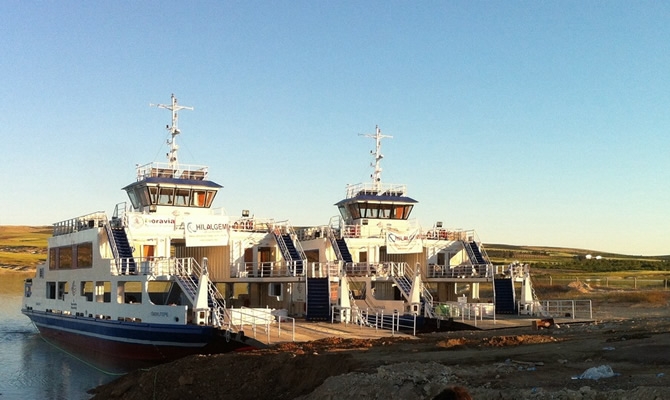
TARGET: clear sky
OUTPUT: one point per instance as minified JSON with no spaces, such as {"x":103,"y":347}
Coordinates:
{"x":534,"y":123}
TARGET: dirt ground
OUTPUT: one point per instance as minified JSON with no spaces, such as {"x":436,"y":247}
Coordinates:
{"x":622,"y":354}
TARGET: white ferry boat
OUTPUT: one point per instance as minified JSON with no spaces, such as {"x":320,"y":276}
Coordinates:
{"x":388,"y":267}
{"x":141,"y":283}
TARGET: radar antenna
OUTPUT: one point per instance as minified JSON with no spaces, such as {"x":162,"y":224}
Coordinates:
{"x":174,"y":130}
{"x":377,"y":174}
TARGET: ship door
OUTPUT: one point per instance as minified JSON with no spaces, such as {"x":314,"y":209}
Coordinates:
{"x":148,"y":251}
{"x":265,"y":258}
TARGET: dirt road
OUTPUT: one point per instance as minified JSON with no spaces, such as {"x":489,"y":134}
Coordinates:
{"x":626,"y":350}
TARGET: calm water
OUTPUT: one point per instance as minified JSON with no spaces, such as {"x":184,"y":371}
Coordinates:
{"x":31,"y":368}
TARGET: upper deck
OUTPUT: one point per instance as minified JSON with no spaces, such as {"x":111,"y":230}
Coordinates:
{"x":167,"y":170}
{"x":376,"y":189}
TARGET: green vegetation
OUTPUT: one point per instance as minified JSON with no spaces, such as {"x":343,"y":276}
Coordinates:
{"x":23,"y":246}
{"x":575,"y":260}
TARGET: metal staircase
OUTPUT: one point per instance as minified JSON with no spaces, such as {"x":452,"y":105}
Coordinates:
{"x":121,"y":249}
{"x":405,"y":278}
{"x":290,"y":248}
{"x":318,"y":299}
{"x":188,"y":275}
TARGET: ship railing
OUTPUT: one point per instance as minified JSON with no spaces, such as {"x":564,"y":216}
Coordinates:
{"x":269,"y":269}
{"x":393,"y":321}
{"x":445,"y":234}
{"x":367,"y":269}
{"x":252,"y":224}
{"x":259,"y":320}
{"x":376,"y":189}
{"x":563,"y":308}
{"x":460,"y":271}
{"x":96,"y":219}
{"x":166,"y":170}
{"x":312,"y":232}
{"x":475,"y":312}
{"x":157,"y":266}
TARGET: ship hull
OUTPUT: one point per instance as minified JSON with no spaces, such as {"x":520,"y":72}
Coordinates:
{"x":137,"y":341}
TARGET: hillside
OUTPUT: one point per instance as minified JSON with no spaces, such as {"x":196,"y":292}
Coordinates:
{"x":23,"y":247}
{"x":571,"y":259}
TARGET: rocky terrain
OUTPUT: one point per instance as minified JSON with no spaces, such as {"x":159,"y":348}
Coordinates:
{"x":623,"y":355}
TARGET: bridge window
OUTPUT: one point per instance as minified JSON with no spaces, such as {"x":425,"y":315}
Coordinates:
{"x":153,"y":193}
{"x":377,"y":210}
{"x":133,"y":198}
{"x":202,"y":198}
{"x":354,"y":212}
{"x":182,"y":197}
{"x":166,"y":196}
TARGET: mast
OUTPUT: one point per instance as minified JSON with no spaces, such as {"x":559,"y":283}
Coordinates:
{"x":174,"y":130}
{"x":377,"y":174}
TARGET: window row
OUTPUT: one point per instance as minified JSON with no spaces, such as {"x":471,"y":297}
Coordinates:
{"x":376,"y":210}
{"x":69,"y":257}
{"x":170,"y":196}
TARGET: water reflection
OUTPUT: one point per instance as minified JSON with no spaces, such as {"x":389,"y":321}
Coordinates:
{"x":33,"y":368}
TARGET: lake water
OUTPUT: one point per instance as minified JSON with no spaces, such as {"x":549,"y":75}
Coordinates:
{"x":30,"y":367}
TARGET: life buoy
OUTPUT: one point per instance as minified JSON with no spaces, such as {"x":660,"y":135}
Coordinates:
{"x":236,"y":225}
{"x":250,"y":225}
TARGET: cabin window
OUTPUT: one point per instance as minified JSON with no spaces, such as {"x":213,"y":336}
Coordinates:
{"x":143,"y":197}
{"x":86,"y":290}
{"x":345,"y":213}
{"x":103,"y":291}
{"x":275,"y":290}
{"x":53,"y":258}
{"x":354,"y":211}
{"x":385,"y":211}
{"x":64,"y":257}
{"x":182,"y":197}
{"x":210,"y":198}
{"x":166,"y":196}
{"x":51,"y":290}
{"x":62,"y":290}
{"x":133,"y":198}
{"x":153,"y":194}
{"x":84,"y":255}
{"x":198,"y":199}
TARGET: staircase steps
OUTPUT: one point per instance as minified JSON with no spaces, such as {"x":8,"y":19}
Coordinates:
{"x":344,"y":250}
{"x":318,"y":299}
{"x":479,"y":258}
{"x":294,"y":254}
{"x":125,"y":252}
{"x":504,"y":296}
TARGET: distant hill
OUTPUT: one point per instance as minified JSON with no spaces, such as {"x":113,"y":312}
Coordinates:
{"x":574,"y":259}
{"x":25,"y":246}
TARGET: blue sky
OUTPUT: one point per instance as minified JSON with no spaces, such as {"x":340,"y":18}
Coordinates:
{"x":537,"y":123}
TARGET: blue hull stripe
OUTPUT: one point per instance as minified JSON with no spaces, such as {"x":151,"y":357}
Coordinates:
{"x":125,"y":332}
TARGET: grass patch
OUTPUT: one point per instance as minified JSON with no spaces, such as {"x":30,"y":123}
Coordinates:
{"x":23,"y":246}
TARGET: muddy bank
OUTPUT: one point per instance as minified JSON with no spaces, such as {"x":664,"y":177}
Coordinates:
{"x":519,"y":363}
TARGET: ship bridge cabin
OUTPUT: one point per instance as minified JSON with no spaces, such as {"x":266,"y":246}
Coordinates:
{"x":161,"y":185}
{"x":370,"y":201}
